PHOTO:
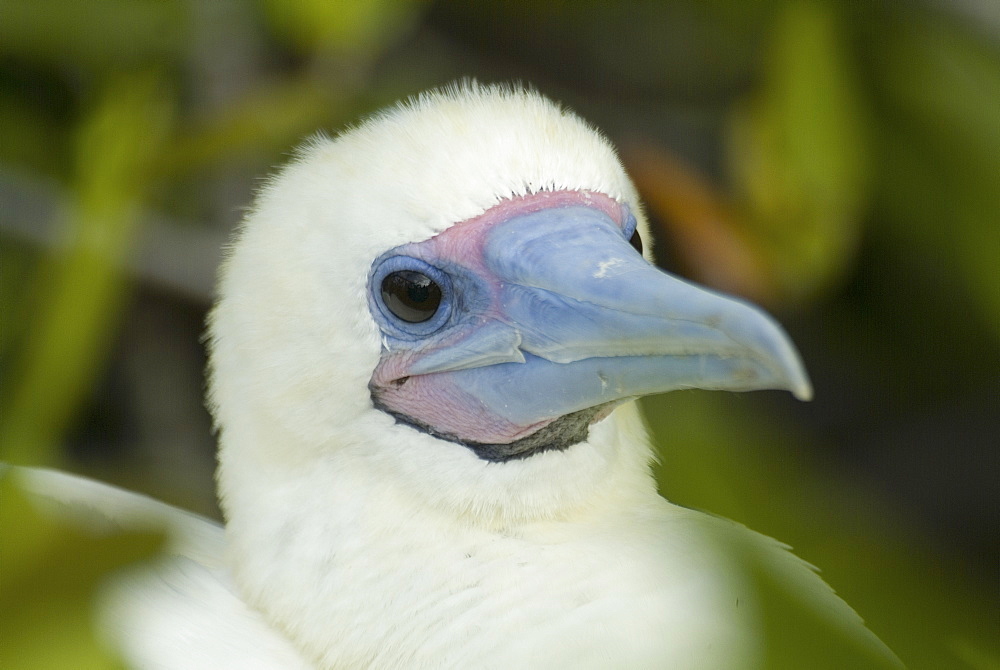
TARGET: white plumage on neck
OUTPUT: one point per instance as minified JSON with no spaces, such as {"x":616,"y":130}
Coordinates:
{"x":368,"y":572}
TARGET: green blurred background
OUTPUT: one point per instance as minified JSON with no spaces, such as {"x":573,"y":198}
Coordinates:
{"x":836,"y":162}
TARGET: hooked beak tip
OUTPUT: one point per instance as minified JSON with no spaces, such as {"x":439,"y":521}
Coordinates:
{"x":802,"y":389}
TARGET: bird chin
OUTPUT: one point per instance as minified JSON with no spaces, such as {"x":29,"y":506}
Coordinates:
{"x":556,"y":434}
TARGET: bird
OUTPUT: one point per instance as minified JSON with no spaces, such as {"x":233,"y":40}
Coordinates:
{"x":430,"y":333}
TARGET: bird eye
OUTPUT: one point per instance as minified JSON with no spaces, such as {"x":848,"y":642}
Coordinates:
{"x":409,"y":297}
{"x":412,"y":296}
{"x":636,"y":241}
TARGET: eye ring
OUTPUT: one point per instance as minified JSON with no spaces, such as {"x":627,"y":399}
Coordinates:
{"x":409,"y":297}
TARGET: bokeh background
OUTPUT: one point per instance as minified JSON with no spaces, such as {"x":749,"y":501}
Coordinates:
{"x":836,"y":162}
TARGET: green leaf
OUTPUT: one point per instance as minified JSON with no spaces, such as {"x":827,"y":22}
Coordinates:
{"x":100,"y":35}
{"x":352,"y":26}
{"x":80,"y":287}
{"x":799,"y":153}
{"x":940,"y":157}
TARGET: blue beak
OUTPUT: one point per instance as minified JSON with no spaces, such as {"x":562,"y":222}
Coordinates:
{"x":581,"y":319}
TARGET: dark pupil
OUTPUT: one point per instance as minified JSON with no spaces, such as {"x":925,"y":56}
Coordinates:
{"x":636,"y":242}
{"x":411,"y":296}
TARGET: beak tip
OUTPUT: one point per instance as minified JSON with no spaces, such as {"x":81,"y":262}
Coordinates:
{"x":802,"y":390}
{"x":794,"y":372}
{"x":795,"y":375}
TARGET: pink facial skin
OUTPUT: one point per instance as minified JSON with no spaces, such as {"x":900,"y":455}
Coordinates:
{"x":432,"y":400}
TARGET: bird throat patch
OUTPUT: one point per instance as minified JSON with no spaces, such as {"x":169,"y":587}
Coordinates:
{"x":559,"y":435}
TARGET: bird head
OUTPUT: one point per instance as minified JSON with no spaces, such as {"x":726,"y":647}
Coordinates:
{"x":452,"y":299}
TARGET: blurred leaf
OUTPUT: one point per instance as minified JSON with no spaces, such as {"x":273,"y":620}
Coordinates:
{"x":50,"y":573}
{"x":81,"y":289}
{"x":799,"y":151}
{"x":29,"y":139}
{"x":99,"y":34}
{"x":16,"y":266}
{"x":360,"y":27}
{"x":268,"y":120}
{"x":975,"y":656}
{"x":941,"y":156}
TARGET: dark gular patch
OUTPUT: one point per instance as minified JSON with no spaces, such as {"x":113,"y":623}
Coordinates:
{"x":559,"y":435}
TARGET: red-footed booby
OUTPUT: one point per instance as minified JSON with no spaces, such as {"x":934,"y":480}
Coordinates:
{"x":429,"y":336}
